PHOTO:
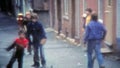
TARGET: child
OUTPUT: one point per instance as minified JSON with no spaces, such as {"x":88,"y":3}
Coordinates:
{"x":27,"y":20}
{"x":36,"y":30}
{"x":20,"y":21}
{"x":20,"y":43}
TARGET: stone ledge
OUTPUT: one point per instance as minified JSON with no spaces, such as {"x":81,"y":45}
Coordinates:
{"x":106,"y":50}
{"x":68,"y":39}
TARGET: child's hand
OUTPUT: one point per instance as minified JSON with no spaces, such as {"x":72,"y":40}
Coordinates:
{"x":43,"y":41}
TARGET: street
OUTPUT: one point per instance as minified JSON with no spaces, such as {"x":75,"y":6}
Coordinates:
{"x":58,"y":52}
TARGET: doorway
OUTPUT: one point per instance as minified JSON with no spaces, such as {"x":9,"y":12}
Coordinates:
{"x":59,"y":16}
{"x":6,"y":6}
{"x":109,"y":22}
{"x":73,"y":19}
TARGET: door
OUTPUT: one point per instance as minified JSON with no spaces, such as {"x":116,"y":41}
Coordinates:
{"x":53,"y":13}
{"x":73,"y":19}
{"x":77,"y":19}
{"x":118,"y":24}
{"x":59,"y":16}
{"x":7,"y":6}
{"x":108,"y":21}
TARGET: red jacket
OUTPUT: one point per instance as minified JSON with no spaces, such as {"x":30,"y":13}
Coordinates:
{"x":22,"y":42}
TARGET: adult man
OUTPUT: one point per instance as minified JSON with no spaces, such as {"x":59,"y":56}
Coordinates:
{"x":36,"y":30}
{"x":94,"y":34}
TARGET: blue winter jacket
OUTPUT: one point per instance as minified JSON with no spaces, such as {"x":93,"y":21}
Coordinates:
{"x":95,"y":31}
{"x":36,"y":30}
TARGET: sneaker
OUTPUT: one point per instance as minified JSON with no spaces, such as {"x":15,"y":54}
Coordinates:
{"x":37,"y":66}
{"x":34,"y":65}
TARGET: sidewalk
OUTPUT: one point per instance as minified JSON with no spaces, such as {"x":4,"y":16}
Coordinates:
{"x":59,"y":53}
{"x":8,"y":29}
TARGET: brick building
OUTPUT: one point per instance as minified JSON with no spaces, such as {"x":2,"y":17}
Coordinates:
{"x":66,"y":18}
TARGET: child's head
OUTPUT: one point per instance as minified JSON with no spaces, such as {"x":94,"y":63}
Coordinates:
{"x":88,"y":11}
{"x":28,"y":15}
{"x":95,"y":17}
{"x":34,"y":17}
{"x":21,"y":34}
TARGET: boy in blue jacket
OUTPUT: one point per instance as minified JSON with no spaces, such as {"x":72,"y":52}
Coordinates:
{"x":35,"y":29}
{"x":94,"y":35}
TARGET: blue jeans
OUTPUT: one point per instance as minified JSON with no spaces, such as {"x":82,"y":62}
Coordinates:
{"x":38,"y":47}
{"x":94,"y":45}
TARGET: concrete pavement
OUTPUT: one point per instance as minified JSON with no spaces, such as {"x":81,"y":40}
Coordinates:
{"x":59,"y":53}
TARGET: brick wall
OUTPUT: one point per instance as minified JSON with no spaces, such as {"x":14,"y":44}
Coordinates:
{"x":92,"y":4}
{"x":70,"y":22}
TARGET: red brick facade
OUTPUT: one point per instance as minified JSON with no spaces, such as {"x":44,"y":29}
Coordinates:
{"x":71,"y":24}
{"x":92,"y":4}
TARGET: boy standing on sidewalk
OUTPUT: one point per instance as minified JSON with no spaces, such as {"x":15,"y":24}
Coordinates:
{"x":20,"y":43}
{"x":39,"y":38}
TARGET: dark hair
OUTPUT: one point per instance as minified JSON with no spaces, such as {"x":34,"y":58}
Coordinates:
{"x":21,"y":32}
{"x":94,"y":17}
{"x":89,"y":10}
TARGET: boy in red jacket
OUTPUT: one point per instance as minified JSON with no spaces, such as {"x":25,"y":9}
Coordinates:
{"x":20,"y":44}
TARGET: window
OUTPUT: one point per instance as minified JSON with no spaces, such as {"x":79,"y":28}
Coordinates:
{"x":66,"y":7}
{"x":109,"y":2}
